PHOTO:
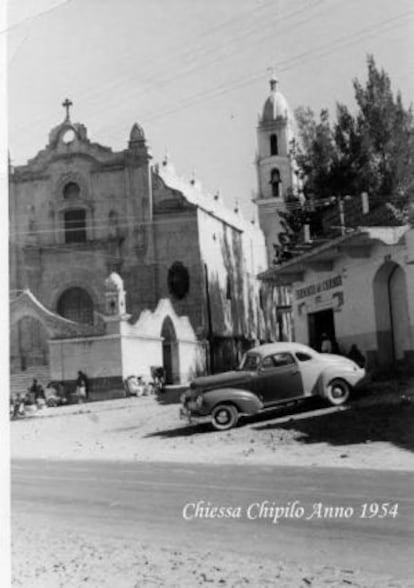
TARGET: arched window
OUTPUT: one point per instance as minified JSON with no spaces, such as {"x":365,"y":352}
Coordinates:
{"x":75,"y":226}
{"x":76,"y":305}
{"x":273,"y":145}
{"x":275,"y":182}
{"x":71,"y":190}
{"x":178,"y":280}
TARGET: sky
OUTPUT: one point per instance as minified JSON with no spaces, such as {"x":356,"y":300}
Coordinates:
{"x":193,"y":73}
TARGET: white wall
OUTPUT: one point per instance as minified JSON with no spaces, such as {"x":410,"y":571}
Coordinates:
{"x":355,"y":321}
{"x":139,"y":354}
{"x":98,"y":356}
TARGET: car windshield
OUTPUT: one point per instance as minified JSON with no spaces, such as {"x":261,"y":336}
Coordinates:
{"x":250,"y":362}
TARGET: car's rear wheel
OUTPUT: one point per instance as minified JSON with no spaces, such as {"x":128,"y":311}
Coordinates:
{"x":337,"y":392}
{"x":224,"y":417}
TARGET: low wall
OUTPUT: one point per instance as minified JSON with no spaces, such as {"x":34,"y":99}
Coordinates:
{"x":98,"y":357}
{"x":99,"y":388}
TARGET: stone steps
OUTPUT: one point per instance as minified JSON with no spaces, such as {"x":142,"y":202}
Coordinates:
{"x":21,"y":381}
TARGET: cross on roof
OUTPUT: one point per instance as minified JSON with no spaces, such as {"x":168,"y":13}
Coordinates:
{"x":67,"y":104}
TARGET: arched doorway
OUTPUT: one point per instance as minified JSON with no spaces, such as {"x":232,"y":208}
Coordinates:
{"x":28,"y":344}
{"x":391,"y":313}
{"x":76,"y":304}
{"x":170,"y":358}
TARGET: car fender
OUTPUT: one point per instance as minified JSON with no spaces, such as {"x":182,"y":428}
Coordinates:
{"x":245,"y":401}
{"x":333,"y":373}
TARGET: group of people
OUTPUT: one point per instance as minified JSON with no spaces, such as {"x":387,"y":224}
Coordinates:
{"x":331,"y":346}
{"x":55,"y":395}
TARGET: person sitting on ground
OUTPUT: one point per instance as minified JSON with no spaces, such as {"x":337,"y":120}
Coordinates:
{"x":38,"y":393}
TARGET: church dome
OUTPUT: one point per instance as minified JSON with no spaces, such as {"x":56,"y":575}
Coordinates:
{"x":276,"y":105}
{"x":114,"y":282}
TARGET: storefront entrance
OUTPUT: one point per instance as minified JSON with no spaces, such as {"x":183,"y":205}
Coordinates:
{"x":319,"y":323}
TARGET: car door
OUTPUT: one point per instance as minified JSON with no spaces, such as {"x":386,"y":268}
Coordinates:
{"x":279,"y":378}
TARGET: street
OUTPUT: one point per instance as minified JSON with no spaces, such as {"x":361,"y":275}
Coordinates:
{"x":145,"y":501}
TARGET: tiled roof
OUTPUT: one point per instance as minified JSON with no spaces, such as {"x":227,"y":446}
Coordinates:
{"x":380,"y":214}
{"x":326,"y":223}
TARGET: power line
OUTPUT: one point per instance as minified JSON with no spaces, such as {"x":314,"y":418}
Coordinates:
{"x":34,"y":17}
{"x":286,"y":65}
{"x":167,"y":61}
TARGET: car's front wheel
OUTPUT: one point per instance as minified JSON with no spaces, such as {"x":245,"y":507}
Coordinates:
{"x":224,"y":416}
{"x":337,"y":392}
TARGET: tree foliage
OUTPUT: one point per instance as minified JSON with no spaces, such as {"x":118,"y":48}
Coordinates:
{"x":370,"y":151}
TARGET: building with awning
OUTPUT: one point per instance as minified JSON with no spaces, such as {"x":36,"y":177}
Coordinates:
{"x":358,"y":288}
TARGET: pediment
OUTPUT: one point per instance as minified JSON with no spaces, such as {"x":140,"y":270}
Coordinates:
{"x":68,"y":141}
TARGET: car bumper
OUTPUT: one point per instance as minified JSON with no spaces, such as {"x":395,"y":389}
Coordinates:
{"x":185,"y":414}
{"x":191,"y":417}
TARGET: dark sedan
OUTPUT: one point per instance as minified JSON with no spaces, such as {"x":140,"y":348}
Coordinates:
{"x":270,"y":375}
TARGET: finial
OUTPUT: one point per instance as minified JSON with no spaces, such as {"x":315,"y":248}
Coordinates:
{"x":273,"y":79}
{"x":217,"y":195}
{"x":236,"y":206}
{"x":136,"y":134}
{"x":67,"y":104}
{"x":193,"y":178}
{"x":166,"y":158}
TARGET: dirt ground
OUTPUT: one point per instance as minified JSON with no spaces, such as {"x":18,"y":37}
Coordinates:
{"x":375,"y":431}
{"x":74,"y":559}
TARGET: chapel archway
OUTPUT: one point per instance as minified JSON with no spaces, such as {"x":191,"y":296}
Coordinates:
{"x":76,"y":305}
{"x":28,"y":344}
{"x":391,"y":313}
{"x":170,"y":358}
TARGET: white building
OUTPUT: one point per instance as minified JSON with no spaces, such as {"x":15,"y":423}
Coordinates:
{"x":277,"y":178}
{"x":359,"y":289}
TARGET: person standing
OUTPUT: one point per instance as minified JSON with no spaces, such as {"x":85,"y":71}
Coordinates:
{"x":82,"y":387}
{"x":326,"y":344}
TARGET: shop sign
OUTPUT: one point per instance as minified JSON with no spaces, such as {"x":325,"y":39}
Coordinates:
{"x":322,"y":286}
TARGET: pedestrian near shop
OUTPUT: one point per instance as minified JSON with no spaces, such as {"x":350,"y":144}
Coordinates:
{"x":326,"y":345}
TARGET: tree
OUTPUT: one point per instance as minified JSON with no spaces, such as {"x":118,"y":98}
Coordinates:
{"x":371,"y":151}
{"x":314,"y":151}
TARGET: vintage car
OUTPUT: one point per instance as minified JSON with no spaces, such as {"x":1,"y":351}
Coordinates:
{"x":268,"y":376}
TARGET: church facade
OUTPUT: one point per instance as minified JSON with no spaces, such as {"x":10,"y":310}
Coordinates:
{"x":80,"y":212}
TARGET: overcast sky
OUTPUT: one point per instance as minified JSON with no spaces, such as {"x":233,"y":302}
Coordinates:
{"x":193,"y":73}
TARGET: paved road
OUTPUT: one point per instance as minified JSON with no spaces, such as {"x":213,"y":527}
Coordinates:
{"x":146,"y":500}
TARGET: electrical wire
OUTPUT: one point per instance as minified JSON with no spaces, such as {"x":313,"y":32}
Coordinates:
{"x":115,"y":85}
{"x":32,"y":18}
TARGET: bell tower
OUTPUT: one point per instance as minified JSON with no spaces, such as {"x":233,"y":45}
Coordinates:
{"x":276,"y":177}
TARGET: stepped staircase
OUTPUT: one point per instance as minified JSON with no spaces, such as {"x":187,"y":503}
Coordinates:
{"x":21,"y":381}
